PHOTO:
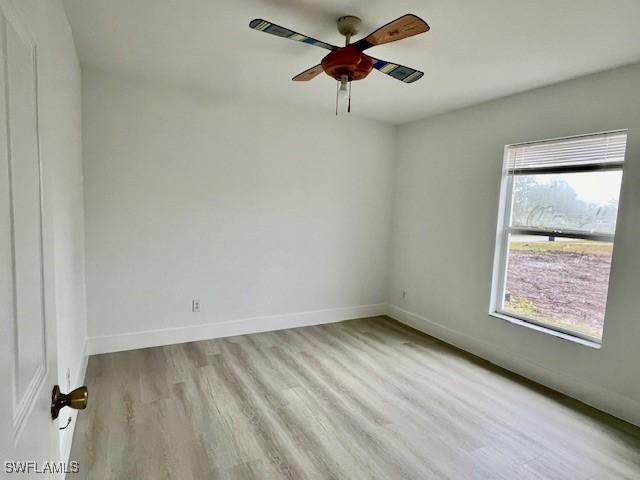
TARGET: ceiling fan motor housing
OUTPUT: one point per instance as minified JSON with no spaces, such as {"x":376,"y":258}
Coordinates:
{"x":347,"y":61}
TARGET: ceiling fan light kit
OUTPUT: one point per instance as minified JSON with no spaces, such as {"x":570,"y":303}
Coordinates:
{"x":350,"y":63}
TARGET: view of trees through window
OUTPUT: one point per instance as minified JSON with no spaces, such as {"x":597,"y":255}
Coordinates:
{"x":577,"y":201}
{"x":556,"y":280}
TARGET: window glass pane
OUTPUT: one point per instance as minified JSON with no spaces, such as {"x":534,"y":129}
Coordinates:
{"x":561,"y":283}
{"x":581,"y":201}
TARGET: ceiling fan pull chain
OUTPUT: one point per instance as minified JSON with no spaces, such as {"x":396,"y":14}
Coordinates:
{"x":337,"y":94}
{"x":349,"y":105}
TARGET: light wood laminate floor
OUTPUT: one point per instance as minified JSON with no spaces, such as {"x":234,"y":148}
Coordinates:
{"x":363,"y":399}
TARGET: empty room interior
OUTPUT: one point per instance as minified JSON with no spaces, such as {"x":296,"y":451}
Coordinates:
{"x":305,"y":239}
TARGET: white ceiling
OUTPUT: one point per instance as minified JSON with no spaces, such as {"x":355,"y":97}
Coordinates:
{"x":476,"y":50}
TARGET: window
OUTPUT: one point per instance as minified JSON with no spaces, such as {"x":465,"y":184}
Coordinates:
{"x":557,"y":220}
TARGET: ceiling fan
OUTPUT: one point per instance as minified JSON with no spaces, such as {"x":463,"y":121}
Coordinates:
{"x":350,"y":63}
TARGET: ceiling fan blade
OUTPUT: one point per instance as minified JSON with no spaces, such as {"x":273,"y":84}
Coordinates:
{"x":277,"y":30}
{"x":406,"y":26}
{"x":397,"y":71}
{"x":309,"y":74}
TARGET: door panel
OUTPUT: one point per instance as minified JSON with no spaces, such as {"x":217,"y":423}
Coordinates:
{"x":26,"y":219}
{"x":27,"y":325}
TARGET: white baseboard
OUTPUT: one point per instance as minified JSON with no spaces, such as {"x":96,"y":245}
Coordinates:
{"x":595,"y":396}
{"x":598,"y":397}
{"x":168,"y":336}
{"x":66,"y":440}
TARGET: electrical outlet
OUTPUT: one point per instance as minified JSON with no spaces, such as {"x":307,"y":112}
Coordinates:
{"x":195,"y":305}
{"x":68,"y":377}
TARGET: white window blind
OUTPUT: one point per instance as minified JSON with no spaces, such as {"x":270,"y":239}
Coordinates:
{"x":599,"y":151}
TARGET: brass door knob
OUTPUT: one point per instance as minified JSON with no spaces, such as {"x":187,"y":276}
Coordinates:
{"x":76,"y":399}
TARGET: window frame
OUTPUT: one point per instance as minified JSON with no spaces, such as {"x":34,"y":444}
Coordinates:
{"x":504,"y":230}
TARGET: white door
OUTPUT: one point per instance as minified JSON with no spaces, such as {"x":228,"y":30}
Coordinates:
{"x":27,"y":323}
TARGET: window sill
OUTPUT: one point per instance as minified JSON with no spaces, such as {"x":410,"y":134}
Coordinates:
{"x":549,"y":331}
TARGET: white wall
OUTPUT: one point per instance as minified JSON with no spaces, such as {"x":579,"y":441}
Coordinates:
{"x":255,"y":209}
{"x":445,"y":213}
